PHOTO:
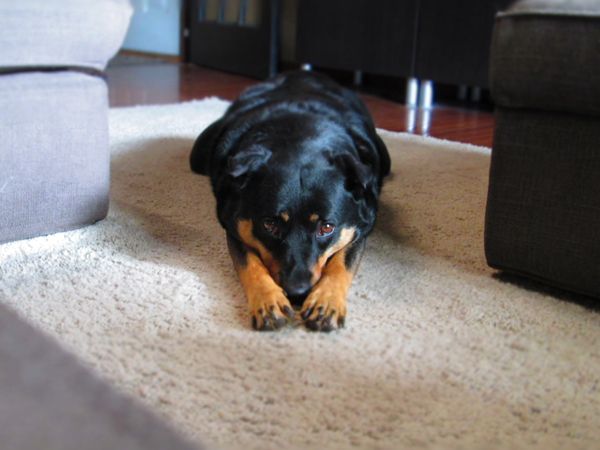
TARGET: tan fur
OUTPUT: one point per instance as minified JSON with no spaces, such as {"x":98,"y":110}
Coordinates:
{"x":259,"y":278}
{"x":264,"y":295}
{"x":346,"y":237}
{"x":247,"y":236}
{"x":328,"y":297}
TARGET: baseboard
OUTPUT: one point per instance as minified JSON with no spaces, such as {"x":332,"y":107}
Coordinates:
{"x":159,"y":56}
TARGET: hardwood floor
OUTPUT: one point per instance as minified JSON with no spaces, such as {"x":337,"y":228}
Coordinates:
{"x":156,"y":82}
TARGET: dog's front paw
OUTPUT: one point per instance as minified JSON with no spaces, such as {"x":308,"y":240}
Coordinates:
{"x":270,"y":311}
{"x":325,"y":307}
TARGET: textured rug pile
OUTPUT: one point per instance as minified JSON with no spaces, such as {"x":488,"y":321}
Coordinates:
{"x":438,"y":352}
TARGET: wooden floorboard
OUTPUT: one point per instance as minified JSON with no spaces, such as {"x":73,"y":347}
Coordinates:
{"x":156,"y":82}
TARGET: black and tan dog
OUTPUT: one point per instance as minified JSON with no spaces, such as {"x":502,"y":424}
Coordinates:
{"x":296,"y":168}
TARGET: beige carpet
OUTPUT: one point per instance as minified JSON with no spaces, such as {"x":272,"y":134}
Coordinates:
{"x":437,"y":353}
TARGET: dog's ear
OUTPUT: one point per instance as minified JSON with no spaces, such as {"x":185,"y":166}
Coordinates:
{"x":360,"y":182}
{"x":372,"y":151}
{"x":358,"y":175}
{"x":204,"y":145}
{"x":247,"y":160}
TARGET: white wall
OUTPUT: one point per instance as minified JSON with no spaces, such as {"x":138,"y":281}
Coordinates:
{"x":155,"y":27}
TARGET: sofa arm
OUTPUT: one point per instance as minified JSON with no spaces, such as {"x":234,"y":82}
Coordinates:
{"x":57,"y":33}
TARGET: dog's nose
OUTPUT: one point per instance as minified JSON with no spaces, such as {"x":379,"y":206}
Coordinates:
{"x":298,"y":289}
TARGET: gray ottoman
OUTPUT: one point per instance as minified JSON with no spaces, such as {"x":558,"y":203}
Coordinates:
{"x":543,"y":211}
{"x":54,"y":156}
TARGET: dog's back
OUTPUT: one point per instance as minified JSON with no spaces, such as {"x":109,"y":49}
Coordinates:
{"x":293,"y":92}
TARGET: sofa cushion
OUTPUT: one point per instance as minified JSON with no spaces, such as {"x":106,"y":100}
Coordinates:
{"x":54,"y":33}
{"x":54,"y":155}
{"x":546,"y":54}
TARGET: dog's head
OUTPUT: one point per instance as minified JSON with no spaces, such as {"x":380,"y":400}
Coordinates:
{"x":298,"y":196}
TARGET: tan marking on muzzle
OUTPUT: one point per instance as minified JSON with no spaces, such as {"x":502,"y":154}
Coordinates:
{"x":346,"y":237}
{"x":244,"y":228}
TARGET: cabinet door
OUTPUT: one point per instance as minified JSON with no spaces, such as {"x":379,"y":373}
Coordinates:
{"x":239,"y":36}
{"x":375,"y":36}
{"x":454,"y":38}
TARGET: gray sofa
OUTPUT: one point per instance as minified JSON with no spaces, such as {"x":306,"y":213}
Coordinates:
{"x":49,"y":401}
{"x":54,"y":176}
{"x":543,"y":210}
{"x":54,"y":158}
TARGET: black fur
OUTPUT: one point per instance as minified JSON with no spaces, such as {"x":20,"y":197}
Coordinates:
{"x":302,"y":144}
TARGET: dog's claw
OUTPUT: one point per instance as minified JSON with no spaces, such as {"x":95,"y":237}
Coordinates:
{"x":312,"y":325}
{"x":289,"y":312}
{"x":322,"y":324}
{"x":320,"y":313}
{"x":267,"y":324}
{"x":307,"y":313}
{"x":280,"y":322}
{"x":326,"y":324}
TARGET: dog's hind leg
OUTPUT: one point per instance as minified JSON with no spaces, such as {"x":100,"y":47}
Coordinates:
{"x":269,"y":307}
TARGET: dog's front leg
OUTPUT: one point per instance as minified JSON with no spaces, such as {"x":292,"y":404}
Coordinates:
{"x":269,"y":307}
{"x":325,"y":307}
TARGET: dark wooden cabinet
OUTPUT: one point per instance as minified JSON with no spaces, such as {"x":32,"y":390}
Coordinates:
{"x":366,"y":35}
{"x":453,"y":40}
{"x":237,"y":46}
{"x":441,"y":41}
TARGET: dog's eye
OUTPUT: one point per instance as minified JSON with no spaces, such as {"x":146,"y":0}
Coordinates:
{"x":272,"y":227}
{"x":325,"y":229}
